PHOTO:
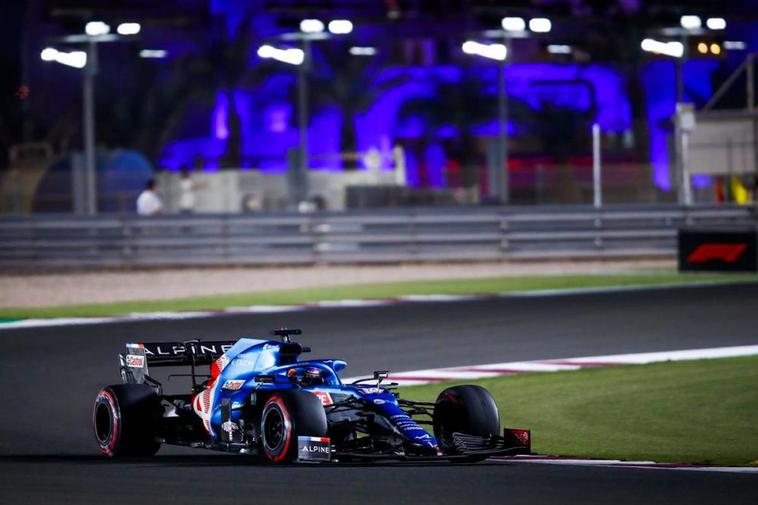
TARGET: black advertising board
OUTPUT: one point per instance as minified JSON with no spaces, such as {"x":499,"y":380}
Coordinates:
{"x":713,"y":250}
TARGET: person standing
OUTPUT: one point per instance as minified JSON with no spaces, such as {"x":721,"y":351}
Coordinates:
{"x":148,"y":202}
{"x":186,"y":193}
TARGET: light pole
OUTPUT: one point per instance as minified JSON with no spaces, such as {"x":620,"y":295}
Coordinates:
{"x":95,"y":32}
{"x":684,"y":116}
{"x":498,"y":177}
{"x":88,"y":93}
{"x":512,"y":27}
{"x":310,"y":30}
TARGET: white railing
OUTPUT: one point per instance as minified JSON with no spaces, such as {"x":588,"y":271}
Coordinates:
{"x":356,"y":237}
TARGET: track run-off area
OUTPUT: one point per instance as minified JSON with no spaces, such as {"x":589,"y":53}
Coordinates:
{"x":49,"y":376}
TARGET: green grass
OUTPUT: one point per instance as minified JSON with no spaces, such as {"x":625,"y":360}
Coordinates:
{"x":363,"y":291}
{"x":702,"y":411}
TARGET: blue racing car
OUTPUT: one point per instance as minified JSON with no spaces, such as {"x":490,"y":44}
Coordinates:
{"x":259,"y":397}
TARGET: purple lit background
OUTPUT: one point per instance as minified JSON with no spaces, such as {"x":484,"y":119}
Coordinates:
{"x":267,"y":117}
{"x":268,"y":131}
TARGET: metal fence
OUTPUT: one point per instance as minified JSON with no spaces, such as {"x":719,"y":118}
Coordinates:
{"x":360,"y":237}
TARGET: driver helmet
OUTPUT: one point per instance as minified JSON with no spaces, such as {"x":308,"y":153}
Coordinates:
{"x":312,"y":376}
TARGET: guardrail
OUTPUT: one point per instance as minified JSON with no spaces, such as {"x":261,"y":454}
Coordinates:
{"x":487,"y":233}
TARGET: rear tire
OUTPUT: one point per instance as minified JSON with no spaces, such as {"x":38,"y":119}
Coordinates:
{"x":125,"y":420}
{"x":470,"y":410}
{"x":286,"y":416}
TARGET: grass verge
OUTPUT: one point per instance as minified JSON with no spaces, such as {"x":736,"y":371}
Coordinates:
{"x":365,"y":291}
{"x":703,"y":411}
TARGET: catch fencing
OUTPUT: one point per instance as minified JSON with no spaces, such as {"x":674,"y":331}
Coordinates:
{"x":459,"y":234}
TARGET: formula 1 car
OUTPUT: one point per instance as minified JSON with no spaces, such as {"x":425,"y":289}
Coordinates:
{"x":260,"y":398}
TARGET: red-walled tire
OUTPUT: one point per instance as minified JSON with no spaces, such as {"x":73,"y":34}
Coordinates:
{"x":125,"y":420}
{"x":286,"y":416}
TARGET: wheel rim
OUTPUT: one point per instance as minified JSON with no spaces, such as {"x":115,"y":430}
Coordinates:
{"x":273,"y":430}
{"x":103,"y":423}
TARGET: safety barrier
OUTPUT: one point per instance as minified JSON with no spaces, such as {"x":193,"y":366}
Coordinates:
{"x":486,"y":233}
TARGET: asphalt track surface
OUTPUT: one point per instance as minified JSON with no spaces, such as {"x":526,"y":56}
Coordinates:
{"x":49,"y":376}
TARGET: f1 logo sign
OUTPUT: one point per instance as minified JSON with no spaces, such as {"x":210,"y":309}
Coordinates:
{"x":718,"y":250}
{"x":728,"y":253}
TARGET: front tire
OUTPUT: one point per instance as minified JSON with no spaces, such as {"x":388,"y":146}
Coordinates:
{"x":125,"y":420}
{"x":286,"y":416}
{"x":470,"y":410}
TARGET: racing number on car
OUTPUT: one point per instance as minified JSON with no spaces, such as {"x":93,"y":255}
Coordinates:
{"x":325,"y":397}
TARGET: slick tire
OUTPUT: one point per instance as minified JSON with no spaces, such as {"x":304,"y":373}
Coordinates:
{"x":287,"y":415}
{"x":470,"y":410}
{"x":125,"y":420}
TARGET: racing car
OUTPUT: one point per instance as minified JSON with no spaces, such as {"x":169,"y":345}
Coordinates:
{"x":259,"y":397}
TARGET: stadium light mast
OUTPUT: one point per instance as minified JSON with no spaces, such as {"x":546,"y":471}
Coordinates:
{"x":511,"y":27}
{"x":95,"y":32}
{"x":684,"y":116}
{"x":310,"y":30}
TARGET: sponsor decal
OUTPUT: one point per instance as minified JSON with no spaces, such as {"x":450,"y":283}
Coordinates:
{"x":157,"y":350}
{"x":178,"y":350}
{"x":213,"y":349}
{"x":135,"y":361}
{"x":233,"y":385}
{"x":324,"y":396}
{"x":369,"y":391}
{"x":378,"y":401}
{"x":519,"y":436}
{"x":728,"y":253}
{"x":313,"y":449}
{"x":522,"y":435}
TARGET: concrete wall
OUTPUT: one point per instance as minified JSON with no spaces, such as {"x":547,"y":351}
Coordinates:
{"x":230,"y":190}
{"x":724,"y":142}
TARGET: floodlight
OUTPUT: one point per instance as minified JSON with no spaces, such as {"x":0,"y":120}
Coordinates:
{"x":340,"y":26}
{"x":716,"y":23}
{"x":95,"y":28}
{"x":128,"y":28}
{"x":540,"y":25}
{"x":690,"y":22}
{"x":311,"y":26}
{"x":514,"y":24}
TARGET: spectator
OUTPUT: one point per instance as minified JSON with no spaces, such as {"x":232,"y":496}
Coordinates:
{"x":187,"y":193}
{"x":148,"y":202}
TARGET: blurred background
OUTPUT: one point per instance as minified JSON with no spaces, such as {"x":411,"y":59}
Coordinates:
{"x":331,"y":105}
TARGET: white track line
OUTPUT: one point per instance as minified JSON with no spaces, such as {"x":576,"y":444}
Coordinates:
{"x":427,"y":376}
{"x":266,"y":309}
{"x":439,"y":298}
{"x":614,"y":463}
{"x":60,"y":321}
{"x":620,"y":289}
{"x":654,"y":357}
{"x":351,"y":303}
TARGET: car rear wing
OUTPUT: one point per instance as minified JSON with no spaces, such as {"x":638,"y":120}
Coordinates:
{"x":134,"y":362}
